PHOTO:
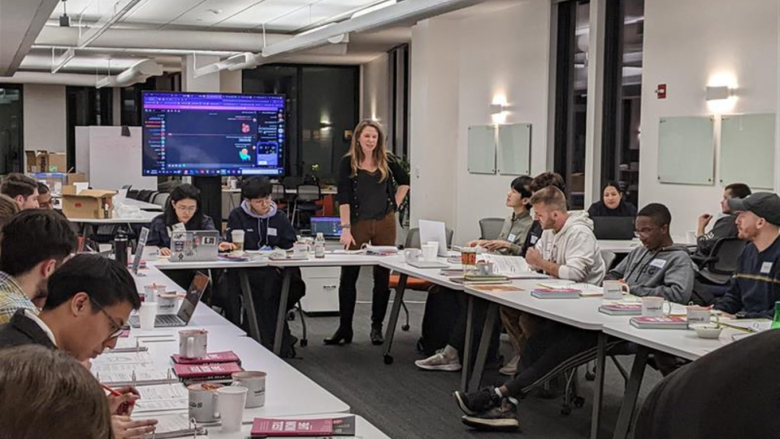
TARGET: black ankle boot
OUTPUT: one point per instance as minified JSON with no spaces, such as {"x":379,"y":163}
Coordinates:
{"x":376,"y":335}
{"x":343,"y":334}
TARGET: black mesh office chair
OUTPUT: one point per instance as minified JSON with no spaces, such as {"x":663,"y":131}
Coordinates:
{"x":490,"y":228}
{"x":719,"y":266}
{"x":306,"y":203}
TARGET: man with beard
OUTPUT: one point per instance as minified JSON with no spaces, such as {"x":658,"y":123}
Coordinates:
{"x":33,"y":244}
{"x":755,"y":286}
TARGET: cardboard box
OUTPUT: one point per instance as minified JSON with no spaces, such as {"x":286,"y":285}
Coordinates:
{"x":57,"y":162}
{"x":76,"y":177}
{"x":90,"y":203}
{"x":31,"y":161}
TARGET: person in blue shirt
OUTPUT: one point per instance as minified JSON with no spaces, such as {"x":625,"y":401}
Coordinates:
{"x":183,"y":209}
{"x":265,"y":227}
{"x":755,"y":285}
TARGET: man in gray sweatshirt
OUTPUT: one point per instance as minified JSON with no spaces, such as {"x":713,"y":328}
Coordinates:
{"x":658,"y":268}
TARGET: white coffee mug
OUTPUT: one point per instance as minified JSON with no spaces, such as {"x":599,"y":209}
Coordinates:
{"x":698,"y":314}
{"x":655,"y":307}
{"x":614,"y":289}
{"x":166,"y":304}
{"x":152,"y":291}
{"x":485,"y":268}
{"x":147,"y":315}
{"x":412,"y":255}
{"x":203,"y":402}
{"x":430,"y":250}
{"x":254,"y":381}
{"x":193,"y":343}
{"x":230,"y":404}
{"x":300,"y":249}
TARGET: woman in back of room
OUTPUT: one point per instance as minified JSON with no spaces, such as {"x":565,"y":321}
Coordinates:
{"x":371,"y":186}
{"x":182,"y":211}
{"x":612,"y":203}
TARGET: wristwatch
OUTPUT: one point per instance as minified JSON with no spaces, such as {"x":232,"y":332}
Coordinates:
{"x":346,"y":226}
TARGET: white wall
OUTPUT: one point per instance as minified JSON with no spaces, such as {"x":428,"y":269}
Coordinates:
{"x":686,"y":43}
{"x":375,"y":91}
{"x":499,"y":53}
{"x":230,"y":82}
{"x":44,"y":117}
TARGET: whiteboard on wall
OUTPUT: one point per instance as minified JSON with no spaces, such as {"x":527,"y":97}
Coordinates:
{"x":747,"y":150}
{"x":115,"y":161}
{"x":514,"y":149}
{"x":686,"y":150}
{"x":482,"y":149}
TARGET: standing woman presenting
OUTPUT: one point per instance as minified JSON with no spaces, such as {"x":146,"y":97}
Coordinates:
{"x":371,"y":186}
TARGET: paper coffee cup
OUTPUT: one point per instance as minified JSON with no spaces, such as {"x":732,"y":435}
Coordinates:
{"x":254,"y":381}
{"x":147,"y":315}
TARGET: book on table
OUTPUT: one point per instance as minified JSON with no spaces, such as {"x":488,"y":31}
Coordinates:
{"x":621,"y":309}
{"x":267,"y":427}
{"x":210,"y":358}
{"x":672,"y":322}
{"x":556,"y":293}
{"x":480,"y":279}
{"x":195,"y":373}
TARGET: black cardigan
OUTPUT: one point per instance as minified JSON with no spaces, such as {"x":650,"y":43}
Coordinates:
{"x":348,"y":188}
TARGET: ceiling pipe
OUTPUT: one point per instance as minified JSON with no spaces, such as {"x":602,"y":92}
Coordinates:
{"x":137,"y":73}
{"x":76,"y":79}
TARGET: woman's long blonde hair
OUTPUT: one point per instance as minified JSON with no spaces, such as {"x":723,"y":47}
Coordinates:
{"x":380,"y":152}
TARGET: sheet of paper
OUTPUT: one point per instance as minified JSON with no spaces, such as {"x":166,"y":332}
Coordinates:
{"x":109,"y":357}
{"x":752,"y":325}
{"x":163,"y":397}
{"x":141,"y":376}
{"x":508,"y":265}
{"x":104,"y":368}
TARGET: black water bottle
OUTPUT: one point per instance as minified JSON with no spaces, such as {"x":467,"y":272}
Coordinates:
{"x":120,"y":248}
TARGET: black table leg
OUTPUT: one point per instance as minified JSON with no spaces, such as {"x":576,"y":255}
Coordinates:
{"x":601,"y":363}
{"x":628,"y":407}
{"x":466,"y":371}
{"x":281,"y":316}
{"x":398,"y":300}
{"x":249,"y":304}
{"x":484,"y":347}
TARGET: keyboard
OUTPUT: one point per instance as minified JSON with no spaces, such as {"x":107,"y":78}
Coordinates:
{"x":168,"y":320}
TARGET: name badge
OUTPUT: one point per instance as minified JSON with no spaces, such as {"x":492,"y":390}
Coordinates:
{"x":271,"y":231}
{"x":511,"y":237}
{"x":534,"y":239}
{"x":766,"y":267}
{"x":660,"y":263}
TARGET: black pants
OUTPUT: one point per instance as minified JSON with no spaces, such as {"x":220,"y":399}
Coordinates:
{"x":348,"y":295}
{"x":266,"y":286}
{"x":552,"y":350}
{"x":458,"y":337}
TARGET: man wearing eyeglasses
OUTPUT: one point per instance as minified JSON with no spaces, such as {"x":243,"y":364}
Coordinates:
{"x":89,"y":302}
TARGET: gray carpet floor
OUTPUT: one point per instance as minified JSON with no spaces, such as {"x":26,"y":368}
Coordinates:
{"x":407,"y":403}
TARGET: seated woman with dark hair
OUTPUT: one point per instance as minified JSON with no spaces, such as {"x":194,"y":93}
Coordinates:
{"x":612,"y":203}
{"x":182,"y":210}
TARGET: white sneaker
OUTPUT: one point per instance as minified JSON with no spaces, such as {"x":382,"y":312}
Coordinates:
{"x":439,"y":361}
{"x":510,"y":369}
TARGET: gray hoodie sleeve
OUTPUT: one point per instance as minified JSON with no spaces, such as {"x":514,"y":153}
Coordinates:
{"x":677,"y":284}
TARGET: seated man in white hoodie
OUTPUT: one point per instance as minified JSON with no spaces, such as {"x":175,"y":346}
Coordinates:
{"x":568,"y":250}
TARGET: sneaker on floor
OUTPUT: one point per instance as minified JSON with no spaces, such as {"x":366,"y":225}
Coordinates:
{"x":439,"y":361}
{"x":501,"y":418}
{"x":479,"y":401}
{"x":510,"y":369}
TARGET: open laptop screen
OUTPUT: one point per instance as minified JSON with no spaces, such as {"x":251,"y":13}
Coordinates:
{"x":194,"y":293}
{"x":330,"y":227}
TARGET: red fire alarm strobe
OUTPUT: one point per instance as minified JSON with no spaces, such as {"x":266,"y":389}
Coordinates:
{"x":660,"y":91}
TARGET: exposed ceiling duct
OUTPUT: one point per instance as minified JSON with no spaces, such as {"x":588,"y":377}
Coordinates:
{"x":76,"y":79}
{"x":137,"y":73}
{"x":375,"y":19}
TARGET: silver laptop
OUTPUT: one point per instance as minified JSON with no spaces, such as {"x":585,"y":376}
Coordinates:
{"x":434,"y":231}
{"x":194,"y":246}
{"x":186,"y":310}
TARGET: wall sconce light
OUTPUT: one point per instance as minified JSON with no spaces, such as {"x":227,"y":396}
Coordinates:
{"x":497,"y":108}
{"x":717,"y":93}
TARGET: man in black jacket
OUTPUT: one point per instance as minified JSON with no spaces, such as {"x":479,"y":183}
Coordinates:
{"x":725,"y":226}
{"x":265,"y":228}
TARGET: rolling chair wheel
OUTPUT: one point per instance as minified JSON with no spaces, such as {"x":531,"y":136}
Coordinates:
{"x":566,"y":410}
{"x":590,"y":376}
{"x":579,"y":402}
{"x":304,"y":343}
{"x":291,"y":315}
{"x":388,"y":359}
{"x":405,"y":327}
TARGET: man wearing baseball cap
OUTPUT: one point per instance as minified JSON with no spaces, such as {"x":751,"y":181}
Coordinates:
{"x":755,"y":286}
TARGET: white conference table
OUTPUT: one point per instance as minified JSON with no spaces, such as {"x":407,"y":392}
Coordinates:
{"x":143,"y":205}
{"x":144,"y":217}
{"x":625,"y":246}
{"x":331,"y":259}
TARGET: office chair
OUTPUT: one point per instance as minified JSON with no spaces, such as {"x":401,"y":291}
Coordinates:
{"x":609,"y":259}
{"x":305,"y":201}
{"x":413,"y":283}
{"x":161,"y":199}
{"x":719,"y":266}
{"x":490,"y":228}
{"x":279,"y":195}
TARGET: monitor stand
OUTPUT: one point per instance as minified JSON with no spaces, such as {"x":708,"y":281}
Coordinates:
{"x":210,"y":197}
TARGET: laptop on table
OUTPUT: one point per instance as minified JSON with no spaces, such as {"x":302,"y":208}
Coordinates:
{"x":194,"y":246}
{"x":329,"y":226}
{"x":186,"y":310}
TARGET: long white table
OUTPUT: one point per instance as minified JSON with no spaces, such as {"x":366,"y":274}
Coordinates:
{"x":143,"y":205}
{"x":363,"y":429}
